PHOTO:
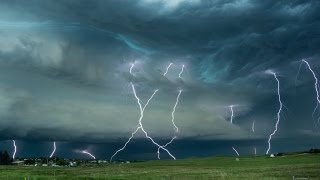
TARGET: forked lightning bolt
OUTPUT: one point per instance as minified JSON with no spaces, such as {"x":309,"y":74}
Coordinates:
{"x":142,"y":108}
{"x":15,"y":149}
{"x":167,"y":69}
{"x":86,"y":152}
{"x":315,"y":86}
{"x":54,"y":149}
{"x":278,"y":114}
{"x":172,"y":120}
{"x":235,"y":151}
{"x":158,"y":152}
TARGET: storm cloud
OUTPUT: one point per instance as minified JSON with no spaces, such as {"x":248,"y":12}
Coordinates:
{"x":64,"y":69}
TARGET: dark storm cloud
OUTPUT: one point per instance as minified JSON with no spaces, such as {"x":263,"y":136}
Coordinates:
{"x":64,"y":67}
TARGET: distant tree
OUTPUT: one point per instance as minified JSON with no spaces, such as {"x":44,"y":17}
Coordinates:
{"x":5,"y":158}
{"x":62,"y":162}
{"x":30,"y":162}
{"x":0,"y":157}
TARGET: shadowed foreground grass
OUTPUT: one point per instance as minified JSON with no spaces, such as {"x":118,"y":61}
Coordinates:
{"x":260,"y":167}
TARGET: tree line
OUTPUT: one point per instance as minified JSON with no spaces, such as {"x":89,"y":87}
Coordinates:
{"x":5,"y":158}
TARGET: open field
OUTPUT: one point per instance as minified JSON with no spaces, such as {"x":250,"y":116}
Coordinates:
{"x":261,"y":167}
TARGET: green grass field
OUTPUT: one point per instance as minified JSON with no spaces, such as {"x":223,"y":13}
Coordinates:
{"x":262,"y":167}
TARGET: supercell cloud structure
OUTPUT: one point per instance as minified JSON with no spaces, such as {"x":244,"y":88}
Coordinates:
{"x":64,"y":68}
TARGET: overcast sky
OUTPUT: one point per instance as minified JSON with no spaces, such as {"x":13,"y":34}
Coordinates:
{"x":64,"y":75}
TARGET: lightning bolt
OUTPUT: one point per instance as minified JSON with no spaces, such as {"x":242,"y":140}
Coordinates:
{"x":182,"y":68}
{"x":252,"y":127}
{"x":235,"y":151}
{"x":54,"y":149}
{"x":132,"y":66}
{"x":173,"y":138}
{"x":142,"y":108}
{"x":86,"y":152}
{"x":316,"y":88}
{"x":15,"y":149}
{"x":174,"y":110}
{"x":278,"y":114}
{"x":231,"y":117}
{"x":167,"y":69}
{"x":172,"y":120}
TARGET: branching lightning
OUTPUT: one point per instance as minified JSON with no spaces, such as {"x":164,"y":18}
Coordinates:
{"x":235,"y":151}
{"x":278,"y":114}
{"x":158,"y":152}
{"x":15,"y":149}
{"x":181,"y":71}
{"x":142,"y":108}
{"x":86,"y":152}
{"x":54,"y":149}
{"x":167,"y":69}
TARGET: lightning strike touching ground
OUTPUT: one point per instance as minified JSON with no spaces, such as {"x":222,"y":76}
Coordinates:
{"x":165,"y":73}
{"x":181,"y":71}
{"x":231,"y":117}
{"x":86,"y":152}
{"x":142,"y":108}
{"x":278,"y":114}
{"x":172,"y":120}
{"x":316,"y":88}
{"x":54,"y":149}
{"x":255,"y":151}
{"x":15,"y":149}
{"x":158,"y":152}
{"x":235,"y":151}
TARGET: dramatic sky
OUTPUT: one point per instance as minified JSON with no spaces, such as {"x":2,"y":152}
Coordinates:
{"x":64,"y":75}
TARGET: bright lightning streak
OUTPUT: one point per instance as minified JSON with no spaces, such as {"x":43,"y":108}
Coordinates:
{"x":54,"y":149}
{"x":231,"y":110}
{"x":15,"y":149}
{"x":235,"y":151}
{"x":86,"y":152}
{"x":255,"y":151}
{"x":316,"y":87}
{"x":181,"y":71}
{"x":174,"y":110}
{"x":132,"y":66}
{"x":142,"y":108}
{"x":252,"y":128}
{"x":278,"y":114}
{"x":165,"y":73}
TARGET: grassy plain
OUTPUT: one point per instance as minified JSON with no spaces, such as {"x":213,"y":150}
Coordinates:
{"x":260,"y":167}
